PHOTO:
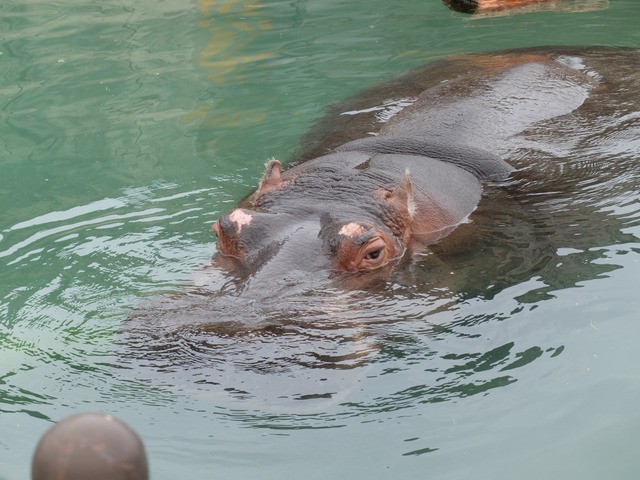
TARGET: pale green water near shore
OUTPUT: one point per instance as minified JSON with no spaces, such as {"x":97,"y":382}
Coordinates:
{"x":126,"y":129}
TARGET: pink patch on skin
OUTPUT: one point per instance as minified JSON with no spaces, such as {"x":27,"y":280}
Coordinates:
{"x":352,"y":229}
{"x":240,"y":218}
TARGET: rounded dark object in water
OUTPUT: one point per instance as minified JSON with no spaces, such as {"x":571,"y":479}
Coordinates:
{"x":463,"y":6}
{"x":90,"y":446}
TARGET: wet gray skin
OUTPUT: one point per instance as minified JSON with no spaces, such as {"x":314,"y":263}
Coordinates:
{"x":474,"y":172}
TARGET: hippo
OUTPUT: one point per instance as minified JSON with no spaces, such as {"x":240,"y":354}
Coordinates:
{"x":404,"y":165}
{"x":405,"y":205}
{"x":412,"y":184}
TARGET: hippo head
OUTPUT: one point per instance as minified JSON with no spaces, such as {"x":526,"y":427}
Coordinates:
{"x":302,"y":227}
{"x":252,"y":238}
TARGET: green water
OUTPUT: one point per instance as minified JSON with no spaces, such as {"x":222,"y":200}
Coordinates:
{"x":125,"y":130}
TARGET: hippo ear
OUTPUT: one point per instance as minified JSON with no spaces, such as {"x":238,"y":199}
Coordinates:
{"x":402,"y":197}
{"x":271,"y":177}
{"x":271,"y":180}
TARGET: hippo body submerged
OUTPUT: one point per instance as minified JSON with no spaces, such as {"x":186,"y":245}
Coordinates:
{"x":522,"y":175}
{"x":375,"y":190}
{"x":400,"y":170}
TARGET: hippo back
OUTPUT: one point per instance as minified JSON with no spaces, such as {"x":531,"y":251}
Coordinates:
{"x":489,"y":101}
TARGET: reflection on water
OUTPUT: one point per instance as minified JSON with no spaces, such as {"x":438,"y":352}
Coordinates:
{"x":243,"y":23}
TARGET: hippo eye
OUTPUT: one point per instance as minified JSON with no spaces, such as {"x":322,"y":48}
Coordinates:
{"x":373,"y":254}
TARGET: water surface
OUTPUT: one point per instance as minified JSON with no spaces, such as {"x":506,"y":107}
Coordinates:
{"x":127,"y":129}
